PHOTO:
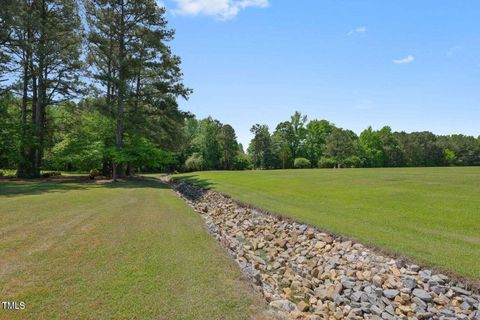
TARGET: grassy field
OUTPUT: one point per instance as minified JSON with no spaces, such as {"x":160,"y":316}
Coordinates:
{"x":133,"y":250}
{"x":429,"y":214}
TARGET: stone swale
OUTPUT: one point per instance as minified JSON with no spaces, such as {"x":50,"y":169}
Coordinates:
{"x":304,"y":273}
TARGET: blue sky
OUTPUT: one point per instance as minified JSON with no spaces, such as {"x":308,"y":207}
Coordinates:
{"x":414,"y":65}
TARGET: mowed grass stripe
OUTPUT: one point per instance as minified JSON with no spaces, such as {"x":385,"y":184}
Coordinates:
{"x":431,"y":215}
{"x":127,"y":251}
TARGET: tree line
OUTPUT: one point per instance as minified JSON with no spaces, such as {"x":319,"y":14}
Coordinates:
{"x":93,"y":84}
{"x":300,"y":143}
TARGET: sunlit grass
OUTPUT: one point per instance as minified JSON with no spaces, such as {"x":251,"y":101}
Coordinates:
{"x":429,"y":214}
{"x":130,"y":250}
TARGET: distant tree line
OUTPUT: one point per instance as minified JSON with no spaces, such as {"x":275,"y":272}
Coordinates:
{"x":319,"y":143}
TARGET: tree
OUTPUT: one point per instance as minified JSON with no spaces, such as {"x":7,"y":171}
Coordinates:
{"x":84,"y":139}
{"x":341,"y":145}
{"x":392,"y":153}
{"x":316,"y":134}
{"x":372,"y":148}
{"x":450,"y":156}
{"x":465,"y":148}
{"x":281,"y":148}
{"x":228,"y":146}
{"x":420,"y":149}
{"x":8,"y":132}
{"x":208,"y":144}
{"x":44,"y":48}
{"x":6,"y":28}
{"x":138,"y":74}
{"x":195,"y":162}
{"x":260,"y":149}
{"x":241,"y":161}
{"x":298,"y":132}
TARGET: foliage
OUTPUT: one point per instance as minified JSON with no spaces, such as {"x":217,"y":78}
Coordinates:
{"x":261,"y":148}
{"x":327,"y":146}
{"x":44,"y":60}
{"x":352,"y":162}
{"x":316,"y":135}
{"x":215,"y":142}
{"x":340,"y":145}
{"x":450,"y":156}
{"x":242,"y":161}
{"x":94,"y":173}
{"x":195,"y":162}
{"x":86,"y":145}
{"x":302,"y":163}
{"x":9,"y":132}
{"x":325,"y":162}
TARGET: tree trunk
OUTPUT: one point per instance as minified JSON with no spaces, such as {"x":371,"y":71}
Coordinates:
{"x":122,"y":86}
{"x":22,"y":167}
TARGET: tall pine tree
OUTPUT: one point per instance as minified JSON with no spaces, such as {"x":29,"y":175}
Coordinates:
{"x":136,"y":70}
{"x":44,"y":49}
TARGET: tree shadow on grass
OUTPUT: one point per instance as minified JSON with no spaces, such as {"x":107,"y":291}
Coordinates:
{"x":194,"y":180}
{"x":16,"y":187}
{"x":183,"y":184}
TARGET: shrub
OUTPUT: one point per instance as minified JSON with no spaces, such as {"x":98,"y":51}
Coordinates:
{"x":300,"y":163}
{"x":51,"y":174}
{"x":195,"y":162}
{"x":1,"y":173}
{"x":353,"y":162}
{"x":326,"y":162}
{"x":94,"y":173}
{"x":242,"y":162}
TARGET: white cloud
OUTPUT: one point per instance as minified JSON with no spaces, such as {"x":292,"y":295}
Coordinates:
{"x":406,"y":60}
{"x":358,"y":30}
{"x":222,"y":9}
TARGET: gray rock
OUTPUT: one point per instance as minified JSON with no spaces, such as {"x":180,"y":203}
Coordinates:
{"x":422,"y":294}
{"x":414,"y":268}
{"x":409,"y":283}
{"x":259,"y":260}
{"x":470,"y":301}
{"x":400,"y":263}
{"x":348,"y":284}
{"x":439,"y":278}
{"x":356,"y":296}
{"x":447,"y":312}
{"x":465,"y":306}
{"x":425,"y":275}
{"x":460,"y":290}
{"x":424,"y":315}
{"x":284,"y":305}
{"x":390,"y":309}
{"x":420,"y":303}
{"x":376,"y":310}
{"x":357,"y":311}
{"x":439,"y":289}
{"x":387,"y":316}
{"x":390,"y":293}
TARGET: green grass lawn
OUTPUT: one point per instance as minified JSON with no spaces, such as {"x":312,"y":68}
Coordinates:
{"x":429,"y":214}
{"x":133,"y":250}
